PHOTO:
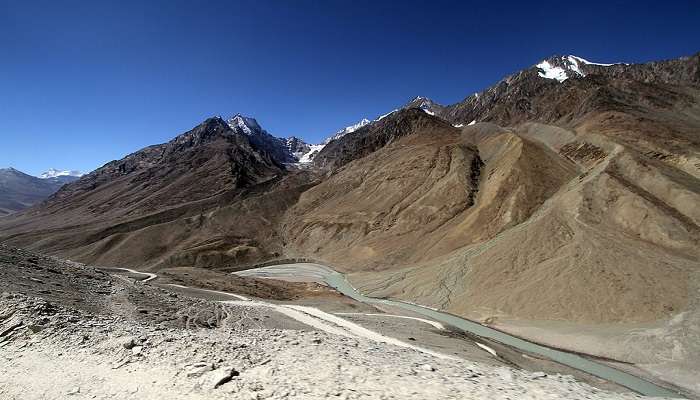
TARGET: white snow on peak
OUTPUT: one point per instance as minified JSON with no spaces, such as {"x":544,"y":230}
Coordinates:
{"x":425,"y":104}
{"x":458,"y":125}
{"x":381,"y":117}
{"x":571,"y":64}
{"x":583,"y":60}
{"x":247,"y":124}
{"x":473,"y":122}
{"x":54,"y":173}
{"x":353,"y":128}
{"x":308,"y":157}
{"x":549,"y":71}
{"x":347,"y":129}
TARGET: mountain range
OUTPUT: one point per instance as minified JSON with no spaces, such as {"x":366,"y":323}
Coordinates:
{"x":566,"y":192}
{"x":19,"y":191}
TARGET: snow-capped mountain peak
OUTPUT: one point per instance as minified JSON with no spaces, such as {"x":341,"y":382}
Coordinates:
{"x":584,"y":61}
{"x":346,"y":130}
{"x":429,"y":106}
{"x":54,"y":173}
{"x":421,"y":102}
{"x":311,"y":150}
{"x":562,"y":68}
{"x":559,"y":68}
{"x":247,"y":125}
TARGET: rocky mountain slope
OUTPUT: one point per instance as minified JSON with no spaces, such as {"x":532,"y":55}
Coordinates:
{"x":566,"y":192}
{"x":283,"y":151}
{"x":206,"y":198}
{"x":19,"y":191}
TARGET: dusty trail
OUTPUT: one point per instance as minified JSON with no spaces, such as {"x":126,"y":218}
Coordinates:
{"x":238,"y":296}
{"x":427,"y":321}
{"x":312,"y":317}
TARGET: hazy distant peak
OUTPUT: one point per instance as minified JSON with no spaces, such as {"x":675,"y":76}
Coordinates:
{"x":54,"y":173}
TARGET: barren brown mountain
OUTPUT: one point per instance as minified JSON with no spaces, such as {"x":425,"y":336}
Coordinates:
{"x":205,"y":199}
{"x":571,"y":200}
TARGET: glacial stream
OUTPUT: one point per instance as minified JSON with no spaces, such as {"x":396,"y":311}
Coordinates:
{"x":316,"y":272}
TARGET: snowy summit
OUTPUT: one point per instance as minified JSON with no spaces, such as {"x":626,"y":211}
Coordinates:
{"x":346,"y":130}
{"x":246,"y":124}
{"x":562,"y":68}
{"x":54,"y":173}
{"x":314,"y":149}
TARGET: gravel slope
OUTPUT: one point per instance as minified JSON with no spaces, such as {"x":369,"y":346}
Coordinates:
{"x":87,"y":356}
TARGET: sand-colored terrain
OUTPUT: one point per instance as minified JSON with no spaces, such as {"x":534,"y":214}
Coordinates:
{"x":77,"y":332}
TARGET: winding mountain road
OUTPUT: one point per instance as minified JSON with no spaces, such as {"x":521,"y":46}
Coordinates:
{"x":314,"y":317}
{"x":310,"y":316}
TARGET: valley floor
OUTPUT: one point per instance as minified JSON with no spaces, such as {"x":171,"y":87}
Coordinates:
{"x":70,"y":331}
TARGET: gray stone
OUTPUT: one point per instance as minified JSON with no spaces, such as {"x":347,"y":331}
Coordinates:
{"x":128,"y":342}
{"x":427,"y":367}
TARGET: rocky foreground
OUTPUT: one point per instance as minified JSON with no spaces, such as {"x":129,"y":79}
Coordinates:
{"x":70,"y":331}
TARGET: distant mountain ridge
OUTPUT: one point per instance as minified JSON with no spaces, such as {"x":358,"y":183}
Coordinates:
{"x":54,"y":173}
{"x":19,"y":191}
{"x":286,"y":151}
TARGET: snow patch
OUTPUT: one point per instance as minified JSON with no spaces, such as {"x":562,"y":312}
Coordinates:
{"x":54,"y":173}
{"x":472,"y":123}
{"x":548,"y":71}
{"x":247,"y":124}
{"x":381,"y":117}
{"x":573,"y":65}
{"x":584,"y":61}
{"x":566,"y":67}
{"x":308,"y":157}
{"x":347,"y":129}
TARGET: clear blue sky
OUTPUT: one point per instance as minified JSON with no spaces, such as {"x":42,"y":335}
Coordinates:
{"x":86,"y":82}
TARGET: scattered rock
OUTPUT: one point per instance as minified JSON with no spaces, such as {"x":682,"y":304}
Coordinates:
{"x":505,"y":374}
{"x":427,"y":367}
{"x":74,"y":391}
{"x":10,"y":329}
{"x":199,"y":369}
{"x":223,"y":376}
{"x":136,"y":350}
{"x":128,"y":342}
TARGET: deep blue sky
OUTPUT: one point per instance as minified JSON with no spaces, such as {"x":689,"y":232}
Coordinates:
{"x":85,"y":82}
